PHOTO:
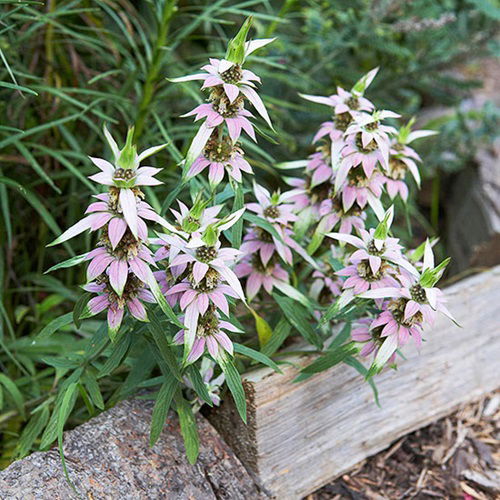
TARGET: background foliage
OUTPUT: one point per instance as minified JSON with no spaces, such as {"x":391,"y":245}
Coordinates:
{"x":68,"y":66}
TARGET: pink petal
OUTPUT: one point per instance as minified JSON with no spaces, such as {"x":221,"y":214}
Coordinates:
{"x":116,"y":229}
{"x":232,"y":91}
{"x":137,"y":310}
{"x":128,"y":205}
{"x":212,"y":346}
{"x":199,"y":271}
{"x":197,"y":349}
{"x":98,"y":304}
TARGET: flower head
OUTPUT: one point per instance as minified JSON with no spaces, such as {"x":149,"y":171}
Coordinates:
{"x":274,"y":208}
{"x":259,"y":275}
{"x":220,"y":156}
{"x":209,"y":336}
{"x":107,"y":299}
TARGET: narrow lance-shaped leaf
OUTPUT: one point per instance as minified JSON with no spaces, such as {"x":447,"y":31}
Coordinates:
{"x":233,"y":380}
{"x":189,"y":431}
{"x":161,"y":407}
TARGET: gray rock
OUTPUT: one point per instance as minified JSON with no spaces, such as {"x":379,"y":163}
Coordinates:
{"x":109,"y":458}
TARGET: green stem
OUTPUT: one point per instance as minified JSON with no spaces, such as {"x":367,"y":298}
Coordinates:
{"x":169,"y":8}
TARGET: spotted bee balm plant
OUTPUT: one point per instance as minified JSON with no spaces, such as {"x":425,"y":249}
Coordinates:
{"x":237,"y":268}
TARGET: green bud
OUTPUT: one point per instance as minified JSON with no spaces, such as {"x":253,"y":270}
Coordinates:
{"x":275,"y":198}
{"x":128,"y":155}
{"x":405,"y":130}
{"x":236,"y":47}
{"x":198,"y":206}
{"x":431,"y":276}
{"x":210,"y":236}
{"x":190,"y":225}
{"x":382,"y":230}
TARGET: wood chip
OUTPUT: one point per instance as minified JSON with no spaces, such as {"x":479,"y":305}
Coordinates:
{"x":492,"y":406}
{"x":472,"y":492}
{"x":461,"y":434}
{"x":488,"y":480}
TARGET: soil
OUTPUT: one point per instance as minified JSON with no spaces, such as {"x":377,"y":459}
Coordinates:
{"x":457,"y":457}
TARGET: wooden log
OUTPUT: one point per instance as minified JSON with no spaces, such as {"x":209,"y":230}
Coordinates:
{"x":474,"y":213}
{"x":302,"y":435}
{"x":109,"y":458}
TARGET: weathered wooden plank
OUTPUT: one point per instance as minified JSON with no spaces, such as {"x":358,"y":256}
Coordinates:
{"x":474,"y":213}
{"x":300,"y":436}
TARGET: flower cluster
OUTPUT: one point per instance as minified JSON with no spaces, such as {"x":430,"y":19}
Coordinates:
{"x":404,"y":293}
{"x":119,"y":271}
{"x":198,"y":277}
{"x":216,"y":144}
{"x":309,"y":246}
{"x":266,"y":247}
{"x":358,"y":157}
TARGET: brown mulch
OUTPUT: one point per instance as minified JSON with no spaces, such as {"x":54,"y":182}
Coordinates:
{"x":455,"y":457}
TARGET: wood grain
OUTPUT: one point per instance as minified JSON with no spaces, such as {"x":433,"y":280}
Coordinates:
{"x":301,"y":436}
{"x":474,"y":213}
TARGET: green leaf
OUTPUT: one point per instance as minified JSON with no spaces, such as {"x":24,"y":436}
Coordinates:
{"x":117,"y":354}
{"x":15,"y":393}
{"x":17,"y":87}
{"x":161,"y":407}
{"x":300,"y":318}
{"x":33,"y":200}
{"x":334,"y":309}
{"x":331,"y":358}
{"x":264,"y":331}
{"x":162,"y":302}
{"x":167,"y":353}
{"x":189,"y":431}
{"x":257,"y":356}
{"x":357,"y":365}
{"x":92,"y":386}
{"x":67,"y":404}
{"x":342,"y":336}
{"x":233,"y":380}
{"x":198,"y":384}
{"x":280,"y":333}
{"x":78,"y":259}
{"x":238,"y":203}
{"x":293,"y":293}
{"x":263,"y":224}
{"x":36,"y":166}
{"x":54,"y":325}
{"x":31,"y":431}
{"x":79,"y":308}
{"x":382,"y":230}
{"x":140,"y":370}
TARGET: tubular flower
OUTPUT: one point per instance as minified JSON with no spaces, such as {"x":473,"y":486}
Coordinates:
{"x":392,"y":318}
{"x":402,"y":159}
{"x":274,"y":208}
{"x":361,"y":278}
{"x":325,"y":283}
{"x":370,"y":339}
